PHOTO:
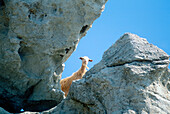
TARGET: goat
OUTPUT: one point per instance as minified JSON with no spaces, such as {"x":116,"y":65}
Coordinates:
{"x":66,"y":83}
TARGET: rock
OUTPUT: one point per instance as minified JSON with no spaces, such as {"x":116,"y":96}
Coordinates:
{"x":2,"y":111}
{"x":132,"y":78}
{"x":36,"y":38}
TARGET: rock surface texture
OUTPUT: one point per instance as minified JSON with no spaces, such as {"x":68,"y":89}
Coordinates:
{"x":132,"y":78}
{"x":36,"y":38}
{"x":2,"y":111}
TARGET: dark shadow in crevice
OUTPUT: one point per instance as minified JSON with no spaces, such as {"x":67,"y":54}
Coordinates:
{"x":30,"y":90}
{"x":12,"y":105}
{"x":39,"y":106}
{"x":24,"y":50}
{"x":84,"y":28}
{"x":67,"y":50}
{"x":2,"y":3}
{"x":19,"y":37}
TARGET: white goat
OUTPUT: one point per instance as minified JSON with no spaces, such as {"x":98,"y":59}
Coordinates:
{"x":66,"y":83}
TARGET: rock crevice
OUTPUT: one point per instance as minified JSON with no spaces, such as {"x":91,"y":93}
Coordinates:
{"x":154,"y":62}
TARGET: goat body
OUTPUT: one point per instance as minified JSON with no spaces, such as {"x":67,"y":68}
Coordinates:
{"x":66,"y":83}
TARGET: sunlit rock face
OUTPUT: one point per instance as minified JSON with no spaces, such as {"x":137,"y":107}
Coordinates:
{"x":132,"y":78}
{"x":36,"y":38}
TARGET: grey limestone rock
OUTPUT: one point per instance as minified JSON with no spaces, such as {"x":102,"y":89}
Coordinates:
{"x":2,"y":111}
{"x":36,"y":38}
{"x":132,"y":78}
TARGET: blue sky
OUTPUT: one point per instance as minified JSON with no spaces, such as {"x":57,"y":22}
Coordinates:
{"x":149,"y":19}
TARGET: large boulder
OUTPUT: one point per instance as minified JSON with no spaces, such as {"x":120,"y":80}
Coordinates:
{"x":132,"y":78}
{"x":36,"y":38}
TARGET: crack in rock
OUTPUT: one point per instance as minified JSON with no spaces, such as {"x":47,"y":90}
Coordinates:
{"x":155,"y":62}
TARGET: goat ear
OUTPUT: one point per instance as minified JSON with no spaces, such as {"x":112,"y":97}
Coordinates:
{"x":81,"y":58}
{"x":90,"y":60}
